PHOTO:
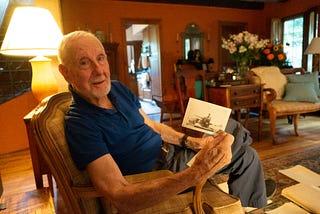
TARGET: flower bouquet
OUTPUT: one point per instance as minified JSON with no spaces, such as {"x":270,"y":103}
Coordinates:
{"x":273,"y":54}
{"x":243,"y":48}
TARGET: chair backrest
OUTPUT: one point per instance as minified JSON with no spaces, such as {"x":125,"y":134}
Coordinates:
{"x":74,"y":186}
{"x":190,"y":82}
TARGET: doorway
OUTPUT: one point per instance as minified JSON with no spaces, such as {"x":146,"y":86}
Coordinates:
{"x":143,"y":58}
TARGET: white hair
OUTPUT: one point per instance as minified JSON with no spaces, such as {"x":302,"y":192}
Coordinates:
{"x":67,"y":43}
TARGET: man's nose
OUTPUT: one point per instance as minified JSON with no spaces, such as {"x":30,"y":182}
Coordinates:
{"x":97,"y":66}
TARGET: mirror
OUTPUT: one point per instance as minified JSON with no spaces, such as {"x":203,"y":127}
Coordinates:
{"x":191,"y":39}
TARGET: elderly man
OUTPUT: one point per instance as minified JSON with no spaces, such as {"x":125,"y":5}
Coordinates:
{"x":110,"y":136}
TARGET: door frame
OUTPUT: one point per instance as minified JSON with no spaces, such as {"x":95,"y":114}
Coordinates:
{"x":124,"y":22}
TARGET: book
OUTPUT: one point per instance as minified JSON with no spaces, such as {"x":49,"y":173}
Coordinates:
{"x":302,"y":174}
{"x":205,"y":117}
{"x":288,"y":207}
{"x":304,"y":195}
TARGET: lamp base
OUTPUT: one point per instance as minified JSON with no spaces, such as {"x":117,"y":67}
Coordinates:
{"x":43,"y":81}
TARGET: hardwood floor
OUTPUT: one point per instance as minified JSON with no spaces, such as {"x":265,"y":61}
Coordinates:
{"x":21,"y":196}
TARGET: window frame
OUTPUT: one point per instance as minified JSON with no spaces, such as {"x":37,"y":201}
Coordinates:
{"x":15,"y":77}
{"x":296,"y":16}
{"x":307,"y":36}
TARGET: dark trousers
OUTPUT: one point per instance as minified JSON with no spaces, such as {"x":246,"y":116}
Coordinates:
{"x":246,"y":178}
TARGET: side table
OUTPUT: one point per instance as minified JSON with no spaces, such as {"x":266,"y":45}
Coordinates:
{"x":239,"y":97}
{"x":38,"y":163}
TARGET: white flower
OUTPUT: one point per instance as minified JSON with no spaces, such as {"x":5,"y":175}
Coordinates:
{"x":242,"y":49}
{"x":243,"y":45}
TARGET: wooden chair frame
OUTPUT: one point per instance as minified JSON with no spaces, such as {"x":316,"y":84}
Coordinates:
{"x":185,"y":84}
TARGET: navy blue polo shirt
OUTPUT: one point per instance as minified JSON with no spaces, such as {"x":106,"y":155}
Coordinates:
{"x":92,"y":132}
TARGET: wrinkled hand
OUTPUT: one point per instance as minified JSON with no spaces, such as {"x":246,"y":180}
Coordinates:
{"x":198,"y":143}
{"x":215,"y":154}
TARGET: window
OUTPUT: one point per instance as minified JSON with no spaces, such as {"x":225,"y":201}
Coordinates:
{"x":311,"y":33}
{"x":293,"y":40}
{"x":298,"y":31}
{"x":15,"y":77}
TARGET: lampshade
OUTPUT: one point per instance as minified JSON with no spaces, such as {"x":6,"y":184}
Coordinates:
{"x":313,"y":47}
{"x":32,"y":31}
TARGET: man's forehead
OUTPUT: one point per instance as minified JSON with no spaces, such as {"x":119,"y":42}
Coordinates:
{"x":86,"y":47}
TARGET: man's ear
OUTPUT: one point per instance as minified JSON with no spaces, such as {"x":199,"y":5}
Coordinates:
{"x":64,"y":72}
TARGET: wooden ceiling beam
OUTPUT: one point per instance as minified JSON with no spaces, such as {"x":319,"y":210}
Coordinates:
{"x":211,"y":3}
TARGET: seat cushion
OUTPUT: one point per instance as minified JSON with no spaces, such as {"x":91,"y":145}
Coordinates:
{"x":272,"y":77}
{"x":286,"y":108}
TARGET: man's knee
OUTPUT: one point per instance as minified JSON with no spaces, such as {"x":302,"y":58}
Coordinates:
{"x":250,"y":155}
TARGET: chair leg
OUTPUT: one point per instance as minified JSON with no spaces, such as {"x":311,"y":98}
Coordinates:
{"x":295,"y":124}
{"x":272,"y":118}
{"x":247,"y":117}
{"x":170,"y":119}
{"x":260,"y":125}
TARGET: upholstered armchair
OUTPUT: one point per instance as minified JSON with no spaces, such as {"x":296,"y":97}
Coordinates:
{"x":286,"y":95}
{"x":75,"y":187}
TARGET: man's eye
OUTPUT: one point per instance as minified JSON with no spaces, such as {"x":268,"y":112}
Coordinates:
{"x":102,"y":59}
{"x":84,"y":62}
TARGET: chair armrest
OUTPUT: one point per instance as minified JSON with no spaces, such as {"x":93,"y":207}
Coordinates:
{"x":223,"y":204}
{"x":197,"y":199}
{"x":136,"y":178}
{"x":86,"y":191}
{"x":270,"y":94}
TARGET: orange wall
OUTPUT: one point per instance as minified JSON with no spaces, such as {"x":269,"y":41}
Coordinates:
{"x":13,"y":135}
{"x":289,"y":8}
{"x":99,"y":13}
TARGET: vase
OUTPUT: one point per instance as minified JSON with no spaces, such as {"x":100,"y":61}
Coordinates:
{"x":242,"y":68}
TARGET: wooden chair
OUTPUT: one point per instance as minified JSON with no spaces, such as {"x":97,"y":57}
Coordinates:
{"x":186,"y":84}
{"x":169,"y":104}
{"x":76,"y":189}
{"x":275,"y":104}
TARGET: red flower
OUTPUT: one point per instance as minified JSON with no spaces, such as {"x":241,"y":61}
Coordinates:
{"x":269,"y":45}
{"x":281,"y":57}
{"x":270,"y":57}
{"x":266,"y":51}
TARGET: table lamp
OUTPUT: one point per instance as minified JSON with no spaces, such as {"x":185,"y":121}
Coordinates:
{"x":32,"y":31}
{"x":314,"y":48}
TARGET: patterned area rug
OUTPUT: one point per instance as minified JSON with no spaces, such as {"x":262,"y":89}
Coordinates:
{"x":309,"y":158}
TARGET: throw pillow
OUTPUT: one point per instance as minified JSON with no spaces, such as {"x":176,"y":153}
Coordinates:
{"x":312,"y":77}
{"x":303,"y":92}
{"x":272,"y":77}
